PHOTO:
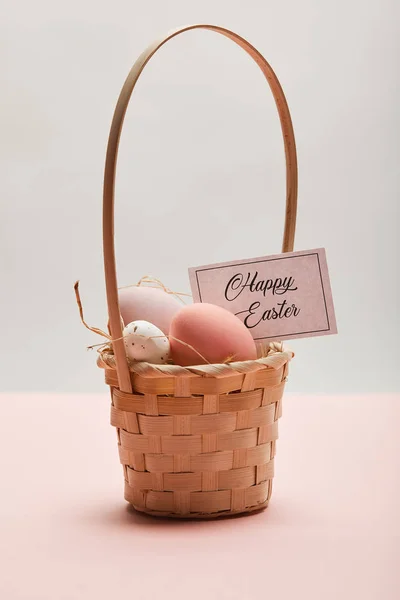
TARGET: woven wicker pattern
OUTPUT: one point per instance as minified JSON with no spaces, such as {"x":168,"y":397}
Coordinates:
{"x":196,"y":445}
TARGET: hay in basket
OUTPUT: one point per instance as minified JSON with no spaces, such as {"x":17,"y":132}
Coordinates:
{"x":194,"y":441}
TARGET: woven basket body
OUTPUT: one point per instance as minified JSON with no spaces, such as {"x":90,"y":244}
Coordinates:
{"x":196,"y":445}
{"x":196,"y":441}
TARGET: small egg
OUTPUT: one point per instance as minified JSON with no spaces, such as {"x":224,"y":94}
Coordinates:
{"x":214,"y":332}
{"x":145,"y":342}
{"x":146,"y":303}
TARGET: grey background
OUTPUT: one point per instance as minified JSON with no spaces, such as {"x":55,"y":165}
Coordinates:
{"x":201,"y":170}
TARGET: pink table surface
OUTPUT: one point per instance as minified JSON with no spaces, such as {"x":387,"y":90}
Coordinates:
{"x":332,"y":530}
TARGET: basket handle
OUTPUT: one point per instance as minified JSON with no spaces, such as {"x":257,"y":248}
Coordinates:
{"x":123,"y":373}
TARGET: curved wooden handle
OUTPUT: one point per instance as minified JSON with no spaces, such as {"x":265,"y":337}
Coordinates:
{"x":110,"y":168}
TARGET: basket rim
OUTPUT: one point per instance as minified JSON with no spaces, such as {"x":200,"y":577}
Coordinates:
{"x":276,"y":358}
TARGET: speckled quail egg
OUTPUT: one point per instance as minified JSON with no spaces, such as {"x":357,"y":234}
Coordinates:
{"x":145,"y":342}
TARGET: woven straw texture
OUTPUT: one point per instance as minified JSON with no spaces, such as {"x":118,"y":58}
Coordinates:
{"x":195,"y":445}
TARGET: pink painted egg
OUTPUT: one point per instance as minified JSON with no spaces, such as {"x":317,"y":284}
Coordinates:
{"x":145,"y":303}
{"x":213,"y":331}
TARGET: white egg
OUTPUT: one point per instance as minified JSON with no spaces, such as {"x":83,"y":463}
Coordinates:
{"x":146,"y":343}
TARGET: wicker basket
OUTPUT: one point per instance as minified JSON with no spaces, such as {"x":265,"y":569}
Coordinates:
{"x":196,"y":441}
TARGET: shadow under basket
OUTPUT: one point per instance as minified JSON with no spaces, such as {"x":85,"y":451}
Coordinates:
{"x":195,"y":444}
